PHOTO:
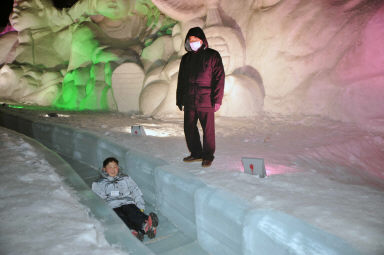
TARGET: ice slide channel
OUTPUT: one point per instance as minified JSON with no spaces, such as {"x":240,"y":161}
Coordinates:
{"x":194,"y":217}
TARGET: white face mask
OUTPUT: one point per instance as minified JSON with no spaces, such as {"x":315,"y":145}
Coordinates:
{"x":195,"y":45}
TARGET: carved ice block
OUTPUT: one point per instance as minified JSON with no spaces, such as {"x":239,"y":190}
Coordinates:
{"x":127,"y":83}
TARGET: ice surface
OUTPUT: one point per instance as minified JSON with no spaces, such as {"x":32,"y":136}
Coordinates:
{"x":39,"y":213}
{"x":220,"y":219}
{"x":85,"y":154}
{"x":142,"y":169}
{"x":309,"y":189}
{"x":267,"y":230}
{"x":175,"y":196}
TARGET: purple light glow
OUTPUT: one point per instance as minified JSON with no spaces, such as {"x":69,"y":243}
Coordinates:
{"x":8,"y":28}
{"x":273,"y":169}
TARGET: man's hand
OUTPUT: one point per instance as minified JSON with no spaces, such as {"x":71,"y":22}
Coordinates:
{"x":180,"y":107}
{"x":217,"y":107}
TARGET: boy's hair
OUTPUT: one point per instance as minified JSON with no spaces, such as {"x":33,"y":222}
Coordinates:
{"x":109,"y":160}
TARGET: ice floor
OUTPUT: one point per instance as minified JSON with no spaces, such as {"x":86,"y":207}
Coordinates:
{"x":323,"y":194}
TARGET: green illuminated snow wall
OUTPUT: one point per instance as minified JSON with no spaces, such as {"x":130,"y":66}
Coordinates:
{"x":81,"y":90}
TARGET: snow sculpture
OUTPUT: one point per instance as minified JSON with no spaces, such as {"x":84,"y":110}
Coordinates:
{"x":42,"y":51}
{"x":298,"y":53}
{"x":113,"y":37}
{"x":311,"y":57}
{"x":264,"y":4}
{"x":94,"y":46}
{"x":8,"y":44}
{"x":76,"y":48}
{"x":182,"y":10}
{"x":361,"y":94}
{"x":242,"y":96}
{"x":160,"y":79}
{"x":306,"y":57}
{"x":222,"y":38}
{"x":127,"y":83}
{"x":158,"y":96}
{"x":158,"y":53}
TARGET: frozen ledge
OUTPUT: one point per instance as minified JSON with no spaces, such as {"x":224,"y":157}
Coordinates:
{"x":221,"y":222}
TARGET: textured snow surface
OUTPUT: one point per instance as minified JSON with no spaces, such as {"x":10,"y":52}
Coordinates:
{"x":39,"y":214}
{"x":326,"y":173}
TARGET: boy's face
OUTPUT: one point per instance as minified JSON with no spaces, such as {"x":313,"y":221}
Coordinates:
{"x":112,"y":169}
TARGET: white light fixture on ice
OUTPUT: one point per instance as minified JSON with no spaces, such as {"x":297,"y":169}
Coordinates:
{"x":55,"y":115}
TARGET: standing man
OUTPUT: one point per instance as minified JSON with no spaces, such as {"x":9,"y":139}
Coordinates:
{"x":200,"y":90}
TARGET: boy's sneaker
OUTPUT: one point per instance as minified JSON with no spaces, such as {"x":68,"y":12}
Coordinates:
{"x":151,"y":224}
{"x":139,"y":235}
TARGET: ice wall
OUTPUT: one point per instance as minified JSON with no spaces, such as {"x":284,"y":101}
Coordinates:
{"x":222,"y":222}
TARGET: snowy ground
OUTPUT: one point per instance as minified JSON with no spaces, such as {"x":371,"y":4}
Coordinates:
{"x":39,"y":214}
{"x":327,"y":173}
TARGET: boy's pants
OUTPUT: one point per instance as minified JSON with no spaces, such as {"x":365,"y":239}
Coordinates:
{"x":132,"y":216}
{"x":192,"y":136}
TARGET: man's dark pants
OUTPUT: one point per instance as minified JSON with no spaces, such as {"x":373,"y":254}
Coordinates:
{"x":192,"y":136}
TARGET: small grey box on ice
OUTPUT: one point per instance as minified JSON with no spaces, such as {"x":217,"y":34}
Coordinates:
{"x":137,"y":131}
{"x":254,"y":166}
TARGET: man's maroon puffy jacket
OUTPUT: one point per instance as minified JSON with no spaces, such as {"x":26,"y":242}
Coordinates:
{"x":201,"y":76}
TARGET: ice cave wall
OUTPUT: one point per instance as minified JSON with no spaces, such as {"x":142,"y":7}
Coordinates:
{"x":293,"y":56}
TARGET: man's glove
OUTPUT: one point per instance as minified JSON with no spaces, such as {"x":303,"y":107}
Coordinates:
{"x":217,"y":107}
{"x":180,"y":107}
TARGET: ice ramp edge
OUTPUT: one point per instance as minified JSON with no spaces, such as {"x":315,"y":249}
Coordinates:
{"x":221,"y":222}
{"x":223,"y":218}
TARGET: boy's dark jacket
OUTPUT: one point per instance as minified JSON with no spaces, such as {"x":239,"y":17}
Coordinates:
{"x":201,"y":76}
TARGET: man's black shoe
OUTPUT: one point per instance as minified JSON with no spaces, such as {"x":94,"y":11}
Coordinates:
{"x":206,"y":163}
{"x":191,"y":159}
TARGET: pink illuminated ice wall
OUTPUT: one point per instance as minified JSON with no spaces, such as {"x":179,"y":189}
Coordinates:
{"x":360,"y":73}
